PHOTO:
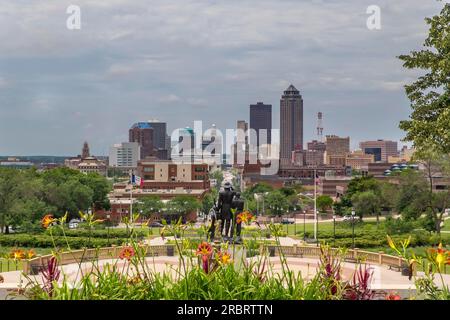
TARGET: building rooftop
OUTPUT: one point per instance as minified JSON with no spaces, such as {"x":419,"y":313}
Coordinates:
{"x":141,"y":125}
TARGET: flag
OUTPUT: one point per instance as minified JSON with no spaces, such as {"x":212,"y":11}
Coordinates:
{"x":317,"y":179}
{"x":136,"y":180}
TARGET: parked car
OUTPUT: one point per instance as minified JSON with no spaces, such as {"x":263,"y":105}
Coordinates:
{"x":155,"y":224}
{"x":350,"y":218}
{"x":288,"y":221}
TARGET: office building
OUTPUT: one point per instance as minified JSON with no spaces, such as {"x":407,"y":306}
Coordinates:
{"x":381,"y":149}
{"x":124,"y":155}
{"x":261,"y":122}
{"x":291,"y":124}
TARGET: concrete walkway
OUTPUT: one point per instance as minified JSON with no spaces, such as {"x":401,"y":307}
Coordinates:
{"x":383,"y":278}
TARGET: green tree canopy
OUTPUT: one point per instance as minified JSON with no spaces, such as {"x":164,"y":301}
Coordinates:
{"x":324,"y":202}
{"x":430,"y":94}
{"x":367,"y":203}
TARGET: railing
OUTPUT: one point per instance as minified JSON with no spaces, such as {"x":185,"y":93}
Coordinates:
{"x":7,"y":265}
{"x":33,"y":266}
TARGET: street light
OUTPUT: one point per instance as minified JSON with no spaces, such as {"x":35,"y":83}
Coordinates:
{"x":304,"y":225}
{"x":334,"y":230}
{"x":108,"y":216}
{"x":295,"y":220}
{"x":353,"y":227}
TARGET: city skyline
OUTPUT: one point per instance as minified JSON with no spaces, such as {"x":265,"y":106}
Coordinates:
{"x":86,"y":85}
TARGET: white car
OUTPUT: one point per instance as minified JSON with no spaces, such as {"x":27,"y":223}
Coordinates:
{"x":350,"y":218}
{"x":73,"y":225}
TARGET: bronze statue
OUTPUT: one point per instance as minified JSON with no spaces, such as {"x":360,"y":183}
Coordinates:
{"x":224,"y":204}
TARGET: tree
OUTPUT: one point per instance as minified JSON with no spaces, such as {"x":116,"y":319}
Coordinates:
{"x":430,"y":94}
{"x":277,"y":202}
{"x":358,"y":185}
{"x":367,"y":202}
{"x":437,"y":165}
{"x":217,"y":175}
{"x":324,"y":202}
{"x":412,"y":194}
{"x":101,"y":188}
{"x":183,"y":205}
{"x":150,"y":205}
{"x":207,"y":203}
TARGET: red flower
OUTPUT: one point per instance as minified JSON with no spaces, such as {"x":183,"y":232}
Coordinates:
{"x":127,"y":253}
{"x":393,"y":296}
{"x":205,"y":251}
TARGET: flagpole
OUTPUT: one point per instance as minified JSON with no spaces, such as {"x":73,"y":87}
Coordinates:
{"x":315,"y":205}
{"x":131,"y":203}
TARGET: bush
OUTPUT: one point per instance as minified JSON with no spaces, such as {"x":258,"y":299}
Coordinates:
{"x":399,"y":226}
{"x":45,"y":241}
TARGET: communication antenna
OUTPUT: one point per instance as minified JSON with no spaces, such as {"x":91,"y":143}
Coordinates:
{"x":320,"y":126}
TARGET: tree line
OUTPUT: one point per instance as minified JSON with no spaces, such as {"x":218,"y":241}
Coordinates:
{"x":27,"y":195}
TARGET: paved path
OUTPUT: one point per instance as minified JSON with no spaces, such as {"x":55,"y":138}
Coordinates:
{"x":383,"y":278}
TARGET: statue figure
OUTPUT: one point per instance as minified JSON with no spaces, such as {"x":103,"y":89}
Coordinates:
{"x":215,"y":216}
{"x":224,"y":204}
{"x":238,"y":205}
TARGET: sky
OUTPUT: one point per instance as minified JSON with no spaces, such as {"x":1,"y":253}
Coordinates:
{"x":184,"y":60}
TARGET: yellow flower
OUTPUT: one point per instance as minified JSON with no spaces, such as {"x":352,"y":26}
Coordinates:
{"x":30,"y":254}
{"x":224,"y":257}
{"x":18,"y":254}
{"x":440,"y":257}
{"x":391,"y":243}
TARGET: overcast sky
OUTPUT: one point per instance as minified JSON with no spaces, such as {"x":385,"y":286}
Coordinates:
{"x":185,"y":60}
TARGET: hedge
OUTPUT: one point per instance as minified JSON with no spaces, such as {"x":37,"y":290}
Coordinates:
{"x":112,"y":233}
{"x":45,"y":241}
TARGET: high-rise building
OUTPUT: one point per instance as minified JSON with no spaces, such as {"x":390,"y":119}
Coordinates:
{"x":142,"y":133}
{"x":291,"y":124}
{"x":124,"y":155}
{"x":261,"y":122}
{"x":336,"y":150}
{"x":381,"y":149}
{"x":159,"y":139}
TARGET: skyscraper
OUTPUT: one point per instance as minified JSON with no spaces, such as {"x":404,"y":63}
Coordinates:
{"x":291,"y":124}
{"x":159,"y":139}
{"x":142,"y":133}
{"x":260,"y":120}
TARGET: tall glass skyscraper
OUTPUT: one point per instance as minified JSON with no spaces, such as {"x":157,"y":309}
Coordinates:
{"x":291,"y":123}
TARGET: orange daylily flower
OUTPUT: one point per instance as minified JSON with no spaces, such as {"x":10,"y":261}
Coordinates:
{"x":393,"y":296}
{"x":127,"y":253}
{"x":18,"y":254}
{"x":30,"y":254}
{"x":204,"y":250}
{"x":245,"y":217}
{"x":47,"y":220}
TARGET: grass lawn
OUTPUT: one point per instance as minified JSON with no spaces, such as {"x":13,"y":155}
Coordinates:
{"x":327,"y":227}
{"x":9,"y":265}
{"x":446,"y":225}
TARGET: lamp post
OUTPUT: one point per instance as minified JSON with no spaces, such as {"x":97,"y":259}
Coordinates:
{"x":304,"y":225}
{"x":353,"y":228}
{"x":334,"y":230}
{"x":295,"y":221}
{"x":108,"y":216}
